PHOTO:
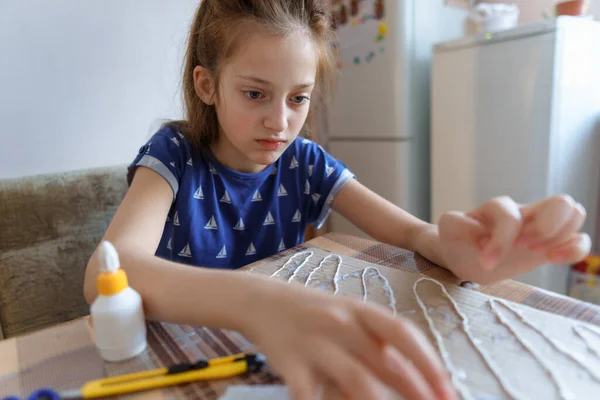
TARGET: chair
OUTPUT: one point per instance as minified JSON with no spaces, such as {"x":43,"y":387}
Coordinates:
{"x":49,"y":227}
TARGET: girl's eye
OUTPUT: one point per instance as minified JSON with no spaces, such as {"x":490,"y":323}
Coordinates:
{"x":300,"y":99}
{"x":253,"y":94}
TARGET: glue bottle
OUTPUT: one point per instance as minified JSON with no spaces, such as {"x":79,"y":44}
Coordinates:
{"x":117,"y":313}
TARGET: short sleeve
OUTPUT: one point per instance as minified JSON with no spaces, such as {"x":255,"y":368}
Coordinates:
{"x":166,"y":153}
{"x":326,"y":177}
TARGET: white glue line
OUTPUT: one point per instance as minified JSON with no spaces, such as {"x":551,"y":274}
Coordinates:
{"x":578,"y":329}
{"x":336,"y":276}
{"x":562,"y":390}
{"x":388,"y":289}
{"x":464,"y":391}
{"x":285,"y":265}
{"x":578,"y":359}
{"x":446,"y":357}
{"x":291,"y":278}
{"x":557,"y":345}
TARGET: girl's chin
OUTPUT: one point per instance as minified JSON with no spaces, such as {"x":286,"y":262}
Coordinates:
{"x":266,"y":158}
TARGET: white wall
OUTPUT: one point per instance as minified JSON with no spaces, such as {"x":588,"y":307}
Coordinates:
{"x":83,"y":82}
{"x":595,"y":9}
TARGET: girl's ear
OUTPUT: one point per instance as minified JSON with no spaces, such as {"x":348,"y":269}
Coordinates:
{"x":204,"y":85}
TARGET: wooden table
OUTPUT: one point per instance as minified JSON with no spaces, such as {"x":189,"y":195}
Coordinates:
{"x":65,"y":357}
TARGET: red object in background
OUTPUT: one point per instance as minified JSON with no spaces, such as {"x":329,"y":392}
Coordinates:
{"x":580,"y":267}
{"x":379,"y":9}
{"x":572,"y":7}
{"x":584,"y":280}
{"x":591,"y":265}
{"x":343,"y":15}
{"x":354,"y":8}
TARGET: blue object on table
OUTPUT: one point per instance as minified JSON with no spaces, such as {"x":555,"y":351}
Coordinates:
{"x":40,"y":394}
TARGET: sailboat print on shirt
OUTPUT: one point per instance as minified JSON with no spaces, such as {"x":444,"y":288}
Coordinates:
{"x":174,"y":140}
{"x":170,"y":244}
{"x":226,"y":198}
{"x":305,"y":141}
{"x":251,"y":250}
{"x":222,"y":253}
{"x":240,"y":226}
{"x":199,"y":194}
{"x":281,"y":246}
{"x":329,"y":170}
{"x":186,"y":252}
{"x":316,"y":197}
{"x":180,"y":135}
{"x":213,"y":170}
{"x":269,"y":220}
{"x":257,"y":196}
{"x":310,"y":170}
{"x":176,"y":219}
{"x":190,"y":163}
{"x":148,"y":149}
{"x":307,"y":187}
{"x":212,"y":224}
{"x":294,"y":163}
{"x":172,"y":164}
{"x":297,"y":216}
{"x":282,"y":191}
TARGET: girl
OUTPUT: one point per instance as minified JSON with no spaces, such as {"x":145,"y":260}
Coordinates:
{"x":234,"y":183}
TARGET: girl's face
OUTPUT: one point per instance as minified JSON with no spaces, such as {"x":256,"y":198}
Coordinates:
{"x":264,"y":99}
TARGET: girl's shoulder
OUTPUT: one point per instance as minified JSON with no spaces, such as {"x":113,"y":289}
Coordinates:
{"x":169,"y":138}
{"x":170,"y":154}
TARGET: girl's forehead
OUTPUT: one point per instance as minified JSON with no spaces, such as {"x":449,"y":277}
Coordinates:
{"x":278,"y":59}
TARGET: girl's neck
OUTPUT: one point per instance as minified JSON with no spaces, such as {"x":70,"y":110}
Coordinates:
{"x":233,"y":159}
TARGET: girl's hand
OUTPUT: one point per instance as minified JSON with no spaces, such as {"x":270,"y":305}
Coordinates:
{"x":502,"y":239}
{"x":310,"y":338}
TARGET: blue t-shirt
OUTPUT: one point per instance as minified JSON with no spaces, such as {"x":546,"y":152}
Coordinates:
{"x":222,"y":218}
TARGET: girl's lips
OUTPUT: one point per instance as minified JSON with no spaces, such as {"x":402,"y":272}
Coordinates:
{"x":270,"y":144}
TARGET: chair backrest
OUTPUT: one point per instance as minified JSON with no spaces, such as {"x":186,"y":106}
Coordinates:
{"x":49,"y":227}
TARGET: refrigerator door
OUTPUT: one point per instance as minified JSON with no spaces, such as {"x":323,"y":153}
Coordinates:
{"x":575,"y":136}
{"x":491,"y":115}
{"x":383,"y":167}
{"x":518,"y":115}
{"x":382,"y":91}
{"x":491,"y":122}
{"x":372,"y":95}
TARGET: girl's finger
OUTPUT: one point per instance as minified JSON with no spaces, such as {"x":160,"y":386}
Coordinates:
{"x":300,"y":382}
{"x":545,"y":219}
{"x":573,"y":225}
{"x":573,"y":250}
{"x":386,"y":364}
{"x":502,"y":217}
{"x":455,"y":224}
{"x":413,"y":345}
{"x":347,"y":373}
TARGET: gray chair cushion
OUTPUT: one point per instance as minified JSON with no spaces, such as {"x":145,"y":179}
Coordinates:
{"x":49,"y":227}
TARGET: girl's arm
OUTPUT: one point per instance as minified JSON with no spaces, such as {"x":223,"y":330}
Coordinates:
{"x":170,"y":290}
{"x":499,"y":240}
{"x":387,"y":223}
{"x":309,"y":337}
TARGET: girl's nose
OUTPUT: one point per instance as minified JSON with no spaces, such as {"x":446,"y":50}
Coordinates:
{"x":276,"y":119}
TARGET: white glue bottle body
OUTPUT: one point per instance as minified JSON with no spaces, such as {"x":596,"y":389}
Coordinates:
{"x":117,"y":313}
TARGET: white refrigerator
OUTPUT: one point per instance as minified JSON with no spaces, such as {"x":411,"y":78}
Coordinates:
{"x":518,"y":113}
{"x":378,"y":123}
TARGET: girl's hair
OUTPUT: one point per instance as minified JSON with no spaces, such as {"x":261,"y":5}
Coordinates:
{"x":216,"y":32}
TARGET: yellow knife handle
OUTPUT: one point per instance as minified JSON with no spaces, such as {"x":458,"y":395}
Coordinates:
{"x":147,"y":380}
